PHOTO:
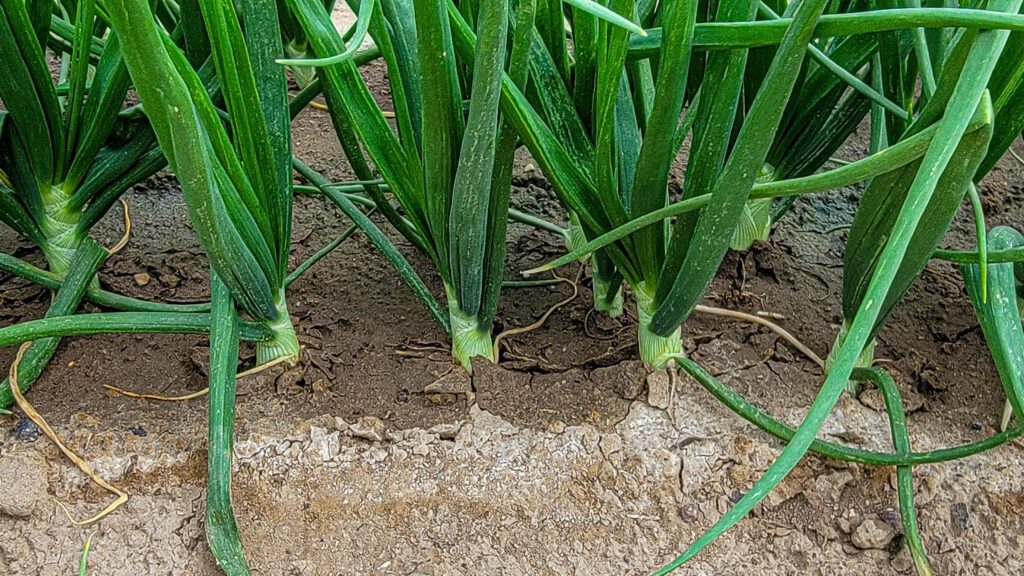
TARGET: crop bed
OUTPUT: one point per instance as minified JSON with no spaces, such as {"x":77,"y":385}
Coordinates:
{"x":371,"y":456}
{"x":695,"y":223}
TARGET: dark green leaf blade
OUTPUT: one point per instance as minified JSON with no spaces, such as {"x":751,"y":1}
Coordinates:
{"x":221,"y":528}
{"x":471,"y":193}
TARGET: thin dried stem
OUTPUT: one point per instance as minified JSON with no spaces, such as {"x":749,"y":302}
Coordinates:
{"x":193,"y":395}
{"x":766,"y":323}
{"x":84,"y":466}
{"x":127,"y":229}
{"x":543,"y":319}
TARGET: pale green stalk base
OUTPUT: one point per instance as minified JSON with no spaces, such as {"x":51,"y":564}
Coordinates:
{"x":865,"y":360}
{"x":655,"y":351}
{"x":607,"y":298}
{"x":304,"y":75}
{"x":60,"y":228}
{"x":284,"y":344}
{"x":755,"y":224}
{"x":575,"y":238}
{"x":469,"y":339}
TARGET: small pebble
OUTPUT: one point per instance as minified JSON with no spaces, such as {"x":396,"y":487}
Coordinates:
{"x":977,"y":426}
{"x":736,"y":496}
{"x":138,"y":431}
{"x":892,"y":518}
{"x":873,"y":534}
{"x":170,"y":280}
{"x":141,"y":278}
{"x":689,"y":513}
{"x":25,"y":429}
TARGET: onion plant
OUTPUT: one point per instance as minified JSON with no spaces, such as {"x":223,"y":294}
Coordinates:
{"x":238,"y":186}
{"x":449,"y":170}
{"x":827,"y":95}
{"x":669,"y":267}
{"x":875,"y":217}
{"x":238,"y":190}
{"x":450,"y":173}
{"x":967,"y":96}
{"x":957,"y":118}
{"x":564,"y":95}
{"x":67,"y":152}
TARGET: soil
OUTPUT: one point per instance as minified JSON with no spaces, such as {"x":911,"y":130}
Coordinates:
{"x":372,"y":456}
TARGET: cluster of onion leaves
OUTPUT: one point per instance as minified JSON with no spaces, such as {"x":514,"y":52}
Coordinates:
{"x":449,"y":164}
{"x":612,"y":145}
{"x":68,"y":148}
{"x":238,"y":188}
{"x":636,"y":130}
{"x":947,"y":168}
{"x":561,"y":151}
{"x":974,"y":158}
{"x":829,"y":94}
{"x":237,"y":183}
{"x":937,"y":155}
{"x":563,"y":64}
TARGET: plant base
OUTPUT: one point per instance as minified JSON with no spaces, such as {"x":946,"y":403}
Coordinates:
{"x":284,"y":344}
{"x":607,"y":298}
{"x":60,"y":226}
{"x":656,"y":351}
{"x":755,"y":224}
{"x":304,"y":75}
{"x":469,"y":339}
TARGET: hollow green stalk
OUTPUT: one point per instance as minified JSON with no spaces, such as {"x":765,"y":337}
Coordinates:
{"x":878,"y":163}
{"x":221,"y":528}
{"x":758,"y":417}
{"x":121,"y":323}
{"x":865,"y":360}
{"x":727,"y":35}
{"x":81,"y":274}
{"x":98,"y":296}
{"x":904,"y":474}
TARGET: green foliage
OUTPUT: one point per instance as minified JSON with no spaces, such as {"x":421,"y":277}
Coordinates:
{"x":449,"y":180}
{"x":237,"y":187}
{"x":66,"y":154}
{"x":604,"y":95}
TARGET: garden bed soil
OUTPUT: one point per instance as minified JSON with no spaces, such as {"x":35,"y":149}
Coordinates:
{"x":374,"y":456}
